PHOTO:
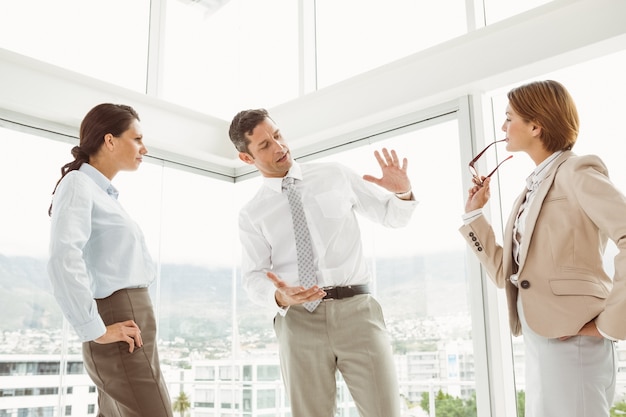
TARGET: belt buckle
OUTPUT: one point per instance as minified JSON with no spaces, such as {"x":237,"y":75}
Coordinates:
{"x":331,"y":293}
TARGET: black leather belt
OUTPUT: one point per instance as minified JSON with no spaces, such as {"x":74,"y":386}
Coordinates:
{"x":337,"y":293}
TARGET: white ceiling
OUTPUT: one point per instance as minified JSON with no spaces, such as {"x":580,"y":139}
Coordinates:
{"x":553,"y":36}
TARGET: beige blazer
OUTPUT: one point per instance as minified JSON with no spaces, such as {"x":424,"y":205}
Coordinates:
{"x":562,"y":282}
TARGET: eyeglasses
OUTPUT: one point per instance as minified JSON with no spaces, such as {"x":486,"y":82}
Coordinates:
{"x":477,"y":178}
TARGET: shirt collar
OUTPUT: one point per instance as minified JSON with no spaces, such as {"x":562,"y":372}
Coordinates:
{"x":100,"y":180}
{"x":541,"y":171}
{"x":276,"y":183}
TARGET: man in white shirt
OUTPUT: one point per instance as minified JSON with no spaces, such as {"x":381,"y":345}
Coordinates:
{"x":342,"y":327}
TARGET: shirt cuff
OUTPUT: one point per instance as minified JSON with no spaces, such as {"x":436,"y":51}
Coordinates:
{"x":471,"y":216}
{"x":409,"y":204}
{"x":271,"y":301}
{"x":407,"y":195}
{"x":283,"y":310}
{"x":91,"y":330}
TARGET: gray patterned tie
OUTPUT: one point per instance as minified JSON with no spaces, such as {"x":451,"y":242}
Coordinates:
{"x":304,"y":249}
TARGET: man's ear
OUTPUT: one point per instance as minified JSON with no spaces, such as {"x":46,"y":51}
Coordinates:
{"x":246,"y":157}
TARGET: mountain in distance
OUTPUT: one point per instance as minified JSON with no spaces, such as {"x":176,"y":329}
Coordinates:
{"x":194,"y":302}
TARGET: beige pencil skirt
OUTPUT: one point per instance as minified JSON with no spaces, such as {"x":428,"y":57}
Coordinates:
{"x":129,"y":384}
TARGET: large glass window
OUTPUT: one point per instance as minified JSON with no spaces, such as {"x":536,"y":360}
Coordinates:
{"x":37,"y":351}
{"x":30,"y":166}
{"x":496,"y":10}
{"x":220,"y":54}
{"x":189,"y":220}
{"x":190,"y":223}
{"x":107,"y":40}
{"x":354,"y":36}
{"x":419,"y":270}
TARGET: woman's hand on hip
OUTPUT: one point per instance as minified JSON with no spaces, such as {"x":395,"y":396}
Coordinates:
{"x":125,"y":331}
{"x":589,"y":329}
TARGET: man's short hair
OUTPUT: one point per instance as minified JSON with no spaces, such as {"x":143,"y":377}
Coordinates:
{"x":243,"y":124}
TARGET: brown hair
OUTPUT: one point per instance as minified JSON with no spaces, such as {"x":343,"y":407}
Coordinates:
{"x":98,"y":122}
{"x":243,"y":124}
{"x":549,"y":105}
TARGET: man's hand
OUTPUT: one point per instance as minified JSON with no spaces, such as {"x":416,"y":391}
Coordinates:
{"x":288,"y":296}
{"x":394,"y":177}
{"x":125,"y":331}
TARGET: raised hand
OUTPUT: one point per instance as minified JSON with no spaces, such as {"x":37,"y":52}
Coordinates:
{"x":394,"y":177}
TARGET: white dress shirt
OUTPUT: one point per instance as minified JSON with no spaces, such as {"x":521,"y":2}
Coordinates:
{"x":331,"y":194}
{"x":95,"y":249}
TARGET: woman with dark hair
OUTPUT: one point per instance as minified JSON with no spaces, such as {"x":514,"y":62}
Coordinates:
{"x":100,"y":267}
{"x":560,"y":298}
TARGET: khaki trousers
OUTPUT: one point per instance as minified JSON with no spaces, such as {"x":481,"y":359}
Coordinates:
{"x":129,"y":384}
{"x":348,"y":335}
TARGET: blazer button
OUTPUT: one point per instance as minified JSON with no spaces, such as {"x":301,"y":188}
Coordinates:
{"x":525,"y":284}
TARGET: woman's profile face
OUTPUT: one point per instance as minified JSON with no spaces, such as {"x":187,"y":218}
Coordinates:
{"x":129,"y":148}
{"x":520,"y":134}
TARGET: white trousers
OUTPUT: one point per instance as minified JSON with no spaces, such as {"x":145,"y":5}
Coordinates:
{"x":573,"y":378}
